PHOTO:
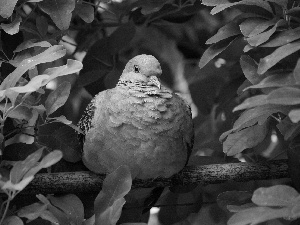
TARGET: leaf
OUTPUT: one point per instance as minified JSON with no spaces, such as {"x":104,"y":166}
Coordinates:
{"x":71,"y":205}
{"x":277,"y":195}
{"x":261,"y":27}
{"x":33,"y":211}
{"x":280,"y":96}
{"x":283,"y":38}
{"x":63,"y":137}
{"x":263,"y":4}
{"x":32,"y":43}
{"x":257,"y":115}
{"x":19,"y":112}
{"x":229,"y":30}
{"x":243,"y":139}
{"x":276,"y":80}
{"x":57,"y":98}
{"x":33,"y":85}
{"x":293,"y":11}
{"x":238,"y":208}
{"x":257,"y":215}
{"x":13,"y":27}
{"x":280,"y":53}
{"x":42,"y":25}
{"x":282,"y":3}
{"x":7,"y":7}
{"x":12,"y":220}
{"x":109,"y":202}
{"x":250,"y":24}
{"x":294,"y":115}
{"x":263,"y":37}
{"x":61,"y":119}
{"x":91,"y":76}
{"x":214,"y":50}
{"x":60,"y":11}
{"x":214,"y":2}
{"x":49,"y":55}
{"x":19,"y":186}
{"x":249,"y":67}
{"x":49,"y":160}
{"x":121,"y":37}
{"x":296,"y":72}
{"x":85,"y":12}
{"x":47,"y":215}
{"x":72,"y":66}
{"x":233,"y":197}
{"x":288,"y":129}
{"x":22,"y":167}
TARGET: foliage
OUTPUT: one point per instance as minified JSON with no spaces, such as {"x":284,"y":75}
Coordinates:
{"x":253,"y":52}
{"x":270,"y":63}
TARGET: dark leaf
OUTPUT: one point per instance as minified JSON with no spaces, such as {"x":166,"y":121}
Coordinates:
{"x":121,"y":37}
{"x":296,"y":72}
{"x":85,"y":11}
{"x":263,"y":37}
{"x":261,"y":27}
{"x":257,"y":115}
{"x":283,"y":37}
{"x":18,"y":151}
{"x":294,"y":11}
{"x":91,"y":76}
{"x":276,"y":80}
{"x":249,"y":67}
{"x":71,"y":205}
{"x":288,"y":129}
{"x":229,"y":30}
{"x":60,"y":11}
{"x":57,"y":98}
{"x":63,"y":137}
{"x":280,"y":96}
{"x":243,"y":139}
{"x":214,"y":2}
{"x":42,"y":25}
{"x":250,"y":24}
{"x":280,"y":53}
{"x":263,"y":4}
{"x":214,"y":50}
{"x":233,"y":198}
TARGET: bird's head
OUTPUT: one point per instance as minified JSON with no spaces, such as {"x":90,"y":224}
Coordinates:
{"x":142,"y":68}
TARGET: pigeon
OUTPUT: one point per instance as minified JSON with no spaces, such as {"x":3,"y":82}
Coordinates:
{"x":139,"y":123}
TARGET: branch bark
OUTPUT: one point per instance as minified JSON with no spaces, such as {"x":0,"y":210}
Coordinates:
{"x":85,"y":181}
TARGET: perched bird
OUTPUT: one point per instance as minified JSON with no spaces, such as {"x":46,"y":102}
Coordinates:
{"x":139,"y":123}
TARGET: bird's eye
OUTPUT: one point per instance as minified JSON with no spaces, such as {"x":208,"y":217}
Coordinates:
{"x":136,"y":69}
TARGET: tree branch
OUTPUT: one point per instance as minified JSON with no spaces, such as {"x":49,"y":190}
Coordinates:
{"x":85,"y":181}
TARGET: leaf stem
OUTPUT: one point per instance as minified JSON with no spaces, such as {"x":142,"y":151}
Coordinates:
{"x":6,"y":208}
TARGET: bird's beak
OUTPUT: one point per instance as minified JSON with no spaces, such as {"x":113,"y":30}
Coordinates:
{"x":154,"y":80}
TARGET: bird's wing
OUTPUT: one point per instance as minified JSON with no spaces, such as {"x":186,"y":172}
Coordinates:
{"x":188,"y":127}
{"x":85,"y":122}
